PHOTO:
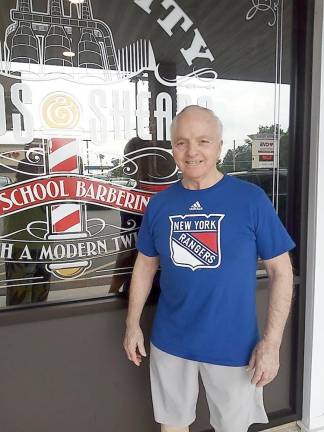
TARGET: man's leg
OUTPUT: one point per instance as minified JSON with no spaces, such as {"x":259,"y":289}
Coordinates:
{"x":234,"y":403}
{"x":165,"y":428}
{"x":174,"y":385}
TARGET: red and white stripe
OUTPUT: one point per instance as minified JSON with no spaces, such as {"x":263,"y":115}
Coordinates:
{"x":63,"y":156}
{"x":66,"y":218}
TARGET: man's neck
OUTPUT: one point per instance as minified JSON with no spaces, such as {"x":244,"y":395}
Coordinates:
{"x":204,"y":183}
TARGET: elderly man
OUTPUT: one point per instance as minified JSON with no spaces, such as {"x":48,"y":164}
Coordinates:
{"x":206,"y":233}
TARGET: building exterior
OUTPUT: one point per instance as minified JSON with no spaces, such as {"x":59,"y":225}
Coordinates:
{"x":87,"y":93}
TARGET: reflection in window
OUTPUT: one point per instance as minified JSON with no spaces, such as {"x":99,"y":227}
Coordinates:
{"x":89,"y":125}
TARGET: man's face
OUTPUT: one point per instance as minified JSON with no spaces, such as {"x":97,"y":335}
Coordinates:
{"x":196,"y":144}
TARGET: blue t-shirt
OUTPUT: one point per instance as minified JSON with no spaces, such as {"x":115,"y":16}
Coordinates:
{"x":208,"y":241}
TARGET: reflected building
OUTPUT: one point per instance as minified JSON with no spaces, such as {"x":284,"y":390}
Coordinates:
{"x":57,"y":41}
{"x":89,"y":49}
{"x":45,"y":38}
{"x":24,"y":44}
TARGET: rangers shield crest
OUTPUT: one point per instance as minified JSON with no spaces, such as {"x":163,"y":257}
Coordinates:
{"x":195,"y":240}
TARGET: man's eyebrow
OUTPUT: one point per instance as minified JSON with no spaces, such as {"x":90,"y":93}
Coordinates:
{"x":198,"y":137}
{"x":205,"y":136}
{"x":178,"y":138}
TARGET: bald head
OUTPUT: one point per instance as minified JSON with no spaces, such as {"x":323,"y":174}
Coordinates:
{"x":209,"y":114}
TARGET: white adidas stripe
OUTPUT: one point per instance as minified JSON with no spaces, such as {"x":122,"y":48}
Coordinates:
{"x":196,"y":206}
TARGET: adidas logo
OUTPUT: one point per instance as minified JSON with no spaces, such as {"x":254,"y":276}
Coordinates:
{"x":196,"y":206}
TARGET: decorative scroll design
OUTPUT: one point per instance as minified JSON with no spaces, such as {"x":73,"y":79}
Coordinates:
{"x":37,"y":230}
{"x":264,"y":6}
{"x":86,"y":50}
{"x":133,"y":160}
{"x":59,"y":110}
{"x":203,"y":74}
{"x":31,"y":164}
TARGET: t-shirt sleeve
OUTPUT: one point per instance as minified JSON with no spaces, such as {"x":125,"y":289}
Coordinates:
{"x":145,"y":241}
{"x":272,"y":237}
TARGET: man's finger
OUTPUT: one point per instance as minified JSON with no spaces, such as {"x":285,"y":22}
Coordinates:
{"x":127,"y":350}
{"x":263,"y":381}
{"x":251,"y":362}
{"x":131,"y":351}
{"x":256,"y":376}
{"x":141,"y":349}
{"x":129,"y":355}
{"x":266,"y":379}
{"x":134,"y":357}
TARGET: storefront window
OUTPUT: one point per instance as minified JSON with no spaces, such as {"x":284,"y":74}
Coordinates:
{"x":88,"y":90}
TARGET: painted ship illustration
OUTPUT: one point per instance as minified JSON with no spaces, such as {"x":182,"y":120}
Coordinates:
{"x":67,"y":40}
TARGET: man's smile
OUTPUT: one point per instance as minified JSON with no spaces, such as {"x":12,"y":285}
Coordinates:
{"x":193,"y":163}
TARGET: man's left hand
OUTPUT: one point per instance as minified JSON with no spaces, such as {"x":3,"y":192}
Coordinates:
{"x":265,"y":362}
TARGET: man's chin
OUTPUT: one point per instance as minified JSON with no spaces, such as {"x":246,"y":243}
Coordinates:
{"x":195,"y":173}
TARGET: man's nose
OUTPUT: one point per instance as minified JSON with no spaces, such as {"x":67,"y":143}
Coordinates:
{"x":191,"y":149}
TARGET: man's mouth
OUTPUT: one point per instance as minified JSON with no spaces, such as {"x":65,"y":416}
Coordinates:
{"x":193,"y":163}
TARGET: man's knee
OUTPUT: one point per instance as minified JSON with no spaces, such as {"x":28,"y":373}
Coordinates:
{"x":166,"y":428}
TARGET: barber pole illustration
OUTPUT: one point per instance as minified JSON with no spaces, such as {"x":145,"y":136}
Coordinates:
{"x":67,"y":221}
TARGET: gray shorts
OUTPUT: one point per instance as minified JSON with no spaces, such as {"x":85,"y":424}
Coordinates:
{"x":234,"y":403}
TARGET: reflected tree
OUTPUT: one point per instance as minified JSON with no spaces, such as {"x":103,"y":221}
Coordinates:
{"x":243,"y":158}
{"x":243,"y":153}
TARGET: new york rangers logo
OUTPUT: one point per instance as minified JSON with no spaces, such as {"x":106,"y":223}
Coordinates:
{"x":195,"y":240}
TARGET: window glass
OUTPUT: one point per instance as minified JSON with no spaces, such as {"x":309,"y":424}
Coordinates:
{"x":87,"y":94}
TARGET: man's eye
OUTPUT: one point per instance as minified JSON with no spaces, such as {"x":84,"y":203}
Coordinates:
{"x":204,"y":141}
{"x":180,"y":143}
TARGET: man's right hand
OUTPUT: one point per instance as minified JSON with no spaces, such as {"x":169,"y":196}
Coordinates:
{"x":134,"y":344}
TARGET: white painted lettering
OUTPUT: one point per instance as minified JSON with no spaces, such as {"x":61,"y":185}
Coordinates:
{"x":6,"y":201}
{"x":144,"y":4}
{"x":111,"y":196}
{"x":102,"y":246}
{"x":98,"y":126}
{"x":25,"y":254}
{"x":198,"y":49}
{"x":27,"y":194}
{"x":13,"y":198}
{"x":71,"y":250}
{"x":21,"y":136}
{"x":53,"y":189}
{"x":117,"y":247}
{"x":176,"y":15}
{"x":183,"y":101}
{"x":6,"y":250}
{"x":101,"y":192}
{"x":129,"y":199}
{"x":46,"y":253}
{"x":143,"y":115}
{"x":163,"y":114}
{"x":80,"y":188}
{"x":121,"y":113}
{"x":62,"y":190}
{"x":127,"y":241}
{"x":39,"y":191}
{"x":121,"y":195}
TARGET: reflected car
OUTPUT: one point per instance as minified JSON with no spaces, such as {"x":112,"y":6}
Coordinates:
{"x":124,"y":182}
{"x":5,"y":181}
{"x":264,"y":179}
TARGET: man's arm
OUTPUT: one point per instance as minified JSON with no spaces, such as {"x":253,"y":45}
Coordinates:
{"x":265,"y":356}
{"x":144,"y":270}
